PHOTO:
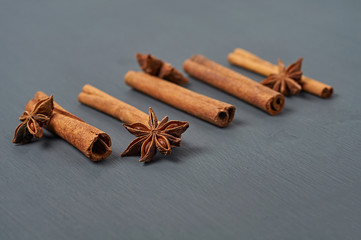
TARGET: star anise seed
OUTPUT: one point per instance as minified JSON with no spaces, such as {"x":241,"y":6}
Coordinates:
{"x":286,"y":81}
{"x":162,"y":136}
{"x":32,"y":122}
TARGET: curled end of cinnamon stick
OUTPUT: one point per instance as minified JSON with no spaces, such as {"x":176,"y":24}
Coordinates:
{"x":275,"y":104}
{"x":327,"y":92}
{"x":225,"y":116}
{"x":100,"y":148}
{"x":315,"y":87}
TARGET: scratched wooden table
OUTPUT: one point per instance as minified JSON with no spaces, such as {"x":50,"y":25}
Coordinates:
{"x":292,"y":176}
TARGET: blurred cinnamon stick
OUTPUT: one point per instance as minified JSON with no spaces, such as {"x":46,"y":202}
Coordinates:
{"x":92,"y":142}
{"x":234,"y":83}
{"x":112,"y":106}
{"x":211,"y":110}
{"x":254,"y":63}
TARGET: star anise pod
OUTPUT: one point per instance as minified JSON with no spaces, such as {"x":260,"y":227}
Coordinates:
{"x":162,"y":136}
{"x":286,"y":81}
{"x":33,"y":121}
{"x":159,"y":68}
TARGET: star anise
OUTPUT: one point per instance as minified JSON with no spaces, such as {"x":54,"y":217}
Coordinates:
{"x":286,"y":81}
{"x":33,"y":121}
{"x":162,"y":136}
{"x":159,"y":68}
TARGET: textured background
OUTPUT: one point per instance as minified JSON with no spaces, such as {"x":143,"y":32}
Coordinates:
{"x":292,"y":176}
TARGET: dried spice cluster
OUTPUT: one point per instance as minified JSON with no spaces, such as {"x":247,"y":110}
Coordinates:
{"x":250,"y":61}
{"x":33,"y":121}
{"x":42,"y":111}
{"x":287,"y":81}
{"x":162,"y":136}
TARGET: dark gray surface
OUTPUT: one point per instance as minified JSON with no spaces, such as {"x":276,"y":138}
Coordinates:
{"x":292,"y":176}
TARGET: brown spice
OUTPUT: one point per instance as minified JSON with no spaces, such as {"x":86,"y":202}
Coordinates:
{"x":33,"y":121}
{"x":92,"y":142}
{"x":162,"y":136}
{"x":286,"y":81}
{"x":157,"y":67}
{"x":234,"y":83}
{"x":110,"y":105}
{"x":209,"y":109}
{"x":254,"y":63}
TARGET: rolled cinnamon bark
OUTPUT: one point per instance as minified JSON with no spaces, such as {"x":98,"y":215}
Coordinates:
{"x":211,"y":110}
{"x":112,"y":106}
{"x":92,"y":142}
{"x":234,"y":83}
{"x":256,"y":64}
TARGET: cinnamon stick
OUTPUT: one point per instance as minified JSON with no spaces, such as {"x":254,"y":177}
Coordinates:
{"x":234,"y":83}
{"x":211,"y":110}
{"x":92,"y":142}
{"x":254,"y":63}
{"x":110,"y":105}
